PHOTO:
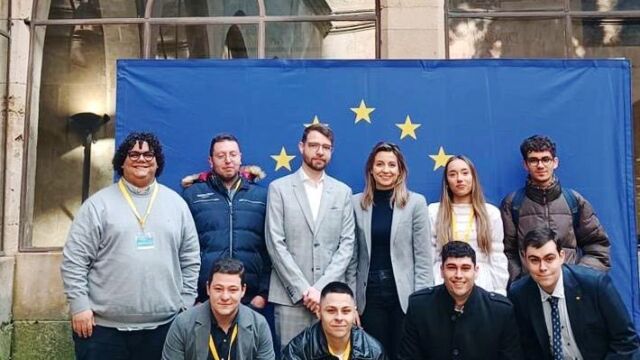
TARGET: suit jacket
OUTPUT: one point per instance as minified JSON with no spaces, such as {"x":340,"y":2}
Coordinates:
{"x":599,"y":320}
{"x":411,"y":253}
{"x":188,"y":336}
{"x":305,"y":253}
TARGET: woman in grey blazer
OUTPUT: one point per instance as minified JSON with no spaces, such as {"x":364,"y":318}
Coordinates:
{"x":392,"y":257}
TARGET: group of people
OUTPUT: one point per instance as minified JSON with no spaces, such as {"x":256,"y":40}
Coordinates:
{"x":306,"y":270}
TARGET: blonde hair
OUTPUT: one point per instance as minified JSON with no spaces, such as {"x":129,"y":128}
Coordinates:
{"x":400,"y":195}
{"x":443,"y":220}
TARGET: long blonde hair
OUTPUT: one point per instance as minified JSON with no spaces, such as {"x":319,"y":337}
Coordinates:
{"x":400,"y":195}
{"x":443,"y":220}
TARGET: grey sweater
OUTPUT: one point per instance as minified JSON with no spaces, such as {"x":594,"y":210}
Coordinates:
{"x":128,"y":286}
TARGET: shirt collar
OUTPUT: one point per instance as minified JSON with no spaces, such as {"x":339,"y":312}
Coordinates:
{"x":557,"y":292}
{"x":307,"y":179}
{"x":136,"y":190}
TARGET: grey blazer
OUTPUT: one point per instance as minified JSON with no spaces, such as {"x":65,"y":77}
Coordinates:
{"x":188,"y":336}
{"x":305,"y":253}
{"x":411,"y":253}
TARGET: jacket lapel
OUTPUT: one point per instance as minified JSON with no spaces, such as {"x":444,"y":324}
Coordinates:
{"x":245,"y":335}
{"x":537,"y":316}
{"x":301,"y":196}
{"x":396,"y":218}
{"x":367,"y":213}
{"x":325,"y":202}
{"x":573,"y":298}
{"x":201,"y":330}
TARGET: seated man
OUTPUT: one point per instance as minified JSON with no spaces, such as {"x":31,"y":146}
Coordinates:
{"x":568,"y":311}
{"x":220,"y":328}
{"x":458,"y":320}
{"x":335,"y":335}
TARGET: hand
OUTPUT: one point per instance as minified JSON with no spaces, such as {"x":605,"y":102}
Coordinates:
{"x":311,"y":299}
{"x":83,"y":323}
{"x":356,"y":320}
{"x":259,"y":302}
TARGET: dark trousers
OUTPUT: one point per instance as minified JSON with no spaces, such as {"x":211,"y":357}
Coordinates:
{"x":383,"y":317}
{"x":112,"y":344}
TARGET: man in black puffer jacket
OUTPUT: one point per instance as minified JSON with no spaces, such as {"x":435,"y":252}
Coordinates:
{"x":228,"y":210}
{"x":335,"y":336}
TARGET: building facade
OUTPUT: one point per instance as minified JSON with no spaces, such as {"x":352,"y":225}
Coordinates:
{"x":57,"y":69}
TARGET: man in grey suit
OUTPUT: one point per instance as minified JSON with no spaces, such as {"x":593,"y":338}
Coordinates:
{"x":309,"y":231}
{"x":221,"y":327}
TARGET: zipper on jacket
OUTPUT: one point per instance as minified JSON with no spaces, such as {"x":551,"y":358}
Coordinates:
{"x":230,"y":227}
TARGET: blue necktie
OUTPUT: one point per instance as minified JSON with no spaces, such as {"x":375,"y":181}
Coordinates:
{"x":556,"y":349}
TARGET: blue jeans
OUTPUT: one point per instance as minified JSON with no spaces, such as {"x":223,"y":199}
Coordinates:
{"x":112,"y":344}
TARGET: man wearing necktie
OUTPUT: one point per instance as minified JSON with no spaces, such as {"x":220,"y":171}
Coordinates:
{"x":568,"y":311}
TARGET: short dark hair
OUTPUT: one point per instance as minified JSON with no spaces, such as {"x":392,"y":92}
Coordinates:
{"x":129,"y":142}
{"x":220,"y":138}
{"x":537,"y":143}
{"x":457,"y":249}
{"x":538,"y":237}
{"x":336,"y":287}
{"x":321,"y":128}
{"x":227,"y":266}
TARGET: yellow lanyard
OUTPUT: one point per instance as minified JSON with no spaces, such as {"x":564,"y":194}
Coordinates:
{"x":345,"y":354}
{"x":454,"y":226}
{"x":212,"y":344}
{"x":127,"y":196}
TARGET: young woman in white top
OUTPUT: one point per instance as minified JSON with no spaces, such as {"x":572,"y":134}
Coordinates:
{"x":462,"y":214}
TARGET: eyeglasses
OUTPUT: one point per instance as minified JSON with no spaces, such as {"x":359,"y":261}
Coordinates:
{"x":316,"y":146}
{"x":533,"y":161}
{"x":135,"y":155}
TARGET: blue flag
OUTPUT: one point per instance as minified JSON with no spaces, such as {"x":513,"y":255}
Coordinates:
{"x":431,"y":109}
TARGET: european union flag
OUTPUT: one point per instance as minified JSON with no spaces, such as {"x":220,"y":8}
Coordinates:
{"x":431,"y":109}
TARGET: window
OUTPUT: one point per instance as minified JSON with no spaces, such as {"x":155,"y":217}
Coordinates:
{"x":75,"y":47}
{"x":550,"y":28}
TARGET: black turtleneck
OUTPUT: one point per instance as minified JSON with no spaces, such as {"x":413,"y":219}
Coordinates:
{"x":381,"y":217}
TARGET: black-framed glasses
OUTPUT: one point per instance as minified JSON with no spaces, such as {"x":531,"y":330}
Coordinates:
{"x":147,"y":156}
{"x":534,"y":161}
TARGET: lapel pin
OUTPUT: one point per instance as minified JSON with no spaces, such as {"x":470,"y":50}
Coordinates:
{"x":578,"y":298}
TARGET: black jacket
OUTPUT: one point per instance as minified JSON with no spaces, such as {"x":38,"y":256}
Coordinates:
{"x":311,"y":344}
{"x":599,"y":320}
{"x":486,"y":329}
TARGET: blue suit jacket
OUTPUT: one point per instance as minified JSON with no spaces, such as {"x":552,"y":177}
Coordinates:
{"x":599,"y":320}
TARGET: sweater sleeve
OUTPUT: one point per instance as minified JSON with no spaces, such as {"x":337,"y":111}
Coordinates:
{"x":189,"y":258}
{"x":78,"y":255}
{"x":498,"y":260}
{"x":437,"y":259}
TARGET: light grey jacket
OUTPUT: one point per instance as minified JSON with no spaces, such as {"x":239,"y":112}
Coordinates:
{"x":411,"y":252}
{"x":305,"y":253}
{"x":188,"y":337}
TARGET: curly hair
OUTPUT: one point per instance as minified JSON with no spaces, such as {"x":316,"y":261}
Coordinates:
{"x":129,"y":142}
{"x":537,"y":143}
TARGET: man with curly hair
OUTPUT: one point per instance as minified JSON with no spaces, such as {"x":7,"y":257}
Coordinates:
{"x":543,"y":201}
{"x":131,"y":260}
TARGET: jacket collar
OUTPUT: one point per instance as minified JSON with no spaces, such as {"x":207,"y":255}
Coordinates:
{"x":203,"y":328}
{"x":543,"y":195}
{"x":216,"y":183}
{"x":320,"y":349}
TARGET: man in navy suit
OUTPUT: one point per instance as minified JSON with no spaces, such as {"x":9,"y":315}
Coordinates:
{"x":568,"y":311}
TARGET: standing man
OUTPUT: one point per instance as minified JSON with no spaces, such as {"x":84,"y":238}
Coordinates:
{"x":458,"y":320}
{"x":335,"y":335}
{"x":309,"y":233}
{"x":568,"y":311}
{"x":131,"y":259}
{"x":229,"y":213}
{"x":221,"y":327}
{"x":543,"y":201}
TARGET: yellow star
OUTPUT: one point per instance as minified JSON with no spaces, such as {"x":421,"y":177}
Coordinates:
{"x":283,"y":160}
{"x":363,"y":112}
{"x":408,"y":128}
{"x":314,"y":122}
{"x":440,"y":159}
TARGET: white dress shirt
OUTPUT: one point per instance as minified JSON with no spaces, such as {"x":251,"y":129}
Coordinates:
{"x":569,"y":346}
{"x":313,"y":189}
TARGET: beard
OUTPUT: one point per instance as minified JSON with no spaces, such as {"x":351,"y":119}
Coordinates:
{"x":315,"y":164}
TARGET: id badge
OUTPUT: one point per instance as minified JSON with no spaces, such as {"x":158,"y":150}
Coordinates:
{"x":144,"y":241}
